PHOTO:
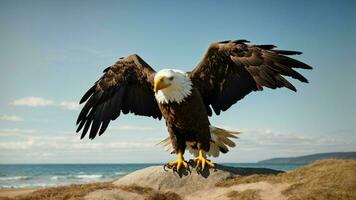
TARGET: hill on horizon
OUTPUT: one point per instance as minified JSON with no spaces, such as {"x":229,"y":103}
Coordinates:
{"x":310,"y":158}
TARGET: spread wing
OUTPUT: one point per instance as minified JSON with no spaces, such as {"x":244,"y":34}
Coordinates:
{"x":232,"y":69}
{"x":127,"y":87}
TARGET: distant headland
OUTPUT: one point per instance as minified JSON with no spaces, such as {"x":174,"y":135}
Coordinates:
{"x":310,"y":158}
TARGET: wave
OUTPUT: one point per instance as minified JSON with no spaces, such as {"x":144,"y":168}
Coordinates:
{"x":39,"y":185}
{"x":9,"y":178}
{"x":81,"y":176}
{"x":46,"y":181}
{"x":57,"y":177}
{"x":121,"y":173}
{"x":92,"y":176}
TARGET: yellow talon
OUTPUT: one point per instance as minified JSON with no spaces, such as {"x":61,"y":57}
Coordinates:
{"x":176,"y":165}
{"x":201,"y":161}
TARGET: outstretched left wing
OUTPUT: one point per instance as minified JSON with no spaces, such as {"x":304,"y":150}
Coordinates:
{"x":232,"y":69}
{"x":127,"y":87}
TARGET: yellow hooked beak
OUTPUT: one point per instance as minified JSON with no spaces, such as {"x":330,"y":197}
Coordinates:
{"x":159,"y":84}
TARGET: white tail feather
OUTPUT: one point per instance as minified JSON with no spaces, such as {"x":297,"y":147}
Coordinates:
{"x":220,"y":141}
{"x":166,"y":143}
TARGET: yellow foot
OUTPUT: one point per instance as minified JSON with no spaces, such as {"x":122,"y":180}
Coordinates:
{"x":201,"y":161}
{"x":177,"y":165}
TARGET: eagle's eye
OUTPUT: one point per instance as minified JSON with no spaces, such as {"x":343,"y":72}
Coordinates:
{"x":171,"y":78}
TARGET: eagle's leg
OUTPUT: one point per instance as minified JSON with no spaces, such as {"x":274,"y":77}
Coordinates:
{"x":201,"y":161}
{"x":180,"y":162}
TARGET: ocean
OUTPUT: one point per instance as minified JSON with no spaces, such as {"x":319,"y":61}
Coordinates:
{"x":44,"y":175}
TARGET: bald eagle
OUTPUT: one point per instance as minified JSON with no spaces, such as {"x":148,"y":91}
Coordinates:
{"x":228,"y":72}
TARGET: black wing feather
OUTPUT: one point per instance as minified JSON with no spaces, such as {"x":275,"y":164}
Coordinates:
{"x":232,"y":69}
{"x":125,"y":87}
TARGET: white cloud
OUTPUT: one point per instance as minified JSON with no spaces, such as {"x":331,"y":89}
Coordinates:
{"x":19,"y":145}
{"x":278,"y":143}
{"x":13,"y":118}
{"x":32,"y":102}
{"x":15,"y":131}
{"x":113,"y":145}
{"x":69,"y":105}
{"x":253,"y":145}
{"x":42,"y":102}
{"x":69,"y":143}
{"x":259,"y":140}
{"x":259,"y":144}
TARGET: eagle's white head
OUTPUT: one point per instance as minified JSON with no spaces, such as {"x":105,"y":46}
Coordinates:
{"x":172,"y":85}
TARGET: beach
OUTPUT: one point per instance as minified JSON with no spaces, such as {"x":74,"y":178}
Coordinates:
{"x":326,"y":179}
{"x":49,"y":175}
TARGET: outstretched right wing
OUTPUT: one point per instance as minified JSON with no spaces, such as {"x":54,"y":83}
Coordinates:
{"x":232,"y":69}
{"x":127,"y":87}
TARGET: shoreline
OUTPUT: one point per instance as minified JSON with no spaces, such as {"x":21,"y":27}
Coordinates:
{"x":319,"y":180}
{"x":13,"y":192}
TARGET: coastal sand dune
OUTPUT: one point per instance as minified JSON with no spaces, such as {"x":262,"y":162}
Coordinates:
{"x":326,"y":179}
{"x":258,"y":190}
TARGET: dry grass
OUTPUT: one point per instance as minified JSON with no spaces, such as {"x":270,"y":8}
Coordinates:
{"x":246,"y":179}
{"x":325,"y":179}
{"x":244,"y":195}
{"x":78,"y":191}
{"x":163,"y":196}
{"x":71,"y":192}
{"x":136,"y":189}
{"x":150,"y":193}
{"x":328,"y":179}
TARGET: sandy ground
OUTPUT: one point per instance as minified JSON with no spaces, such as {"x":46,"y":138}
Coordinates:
{"x":14,"y":192}
{"x":267,"y":191}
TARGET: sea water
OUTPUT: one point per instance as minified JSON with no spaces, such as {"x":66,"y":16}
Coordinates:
{"x":44,"y":175}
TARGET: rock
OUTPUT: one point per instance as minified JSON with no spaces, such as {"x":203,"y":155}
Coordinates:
{"x":116,"y":194}
{"x":184,"y":183}
{"x":244,"y":171}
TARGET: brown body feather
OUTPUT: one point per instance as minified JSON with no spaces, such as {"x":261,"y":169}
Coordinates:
{"x":187,"y":121}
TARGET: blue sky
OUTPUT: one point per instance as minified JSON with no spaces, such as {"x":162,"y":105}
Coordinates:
{"x":53,"y":51}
